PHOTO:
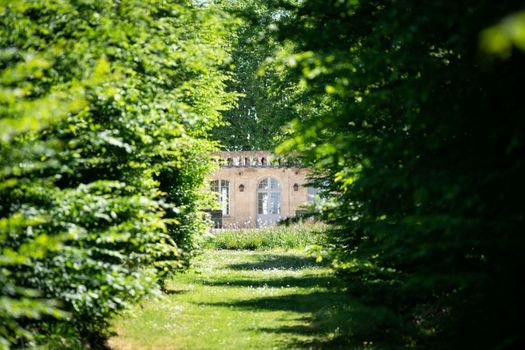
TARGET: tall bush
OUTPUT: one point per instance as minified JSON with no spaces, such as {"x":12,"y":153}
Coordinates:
{"x":104,"y":110}
{"x":417,"y":135}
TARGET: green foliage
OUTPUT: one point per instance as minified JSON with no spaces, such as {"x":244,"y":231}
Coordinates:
{"x":499,"y":38}
{"x":265,"y":102}
{"x":286,"y":237}
{"x":418,"y":139}
{"x":103,"y":107}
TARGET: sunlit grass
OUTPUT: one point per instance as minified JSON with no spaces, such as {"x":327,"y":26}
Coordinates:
{"x":238,"y":300}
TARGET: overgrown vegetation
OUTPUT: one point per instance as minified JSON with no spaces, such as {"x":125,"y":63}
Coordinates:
{"x":284,"y":237}
{"x":103,"y":109}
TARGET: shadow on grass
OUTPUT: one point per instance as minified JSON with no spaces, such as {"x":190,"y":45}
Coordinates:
{"x":321,"y":338}
{"x":169,"y":291}
{"x":326,"y":311}
{"x":309,"y":281}
{"x":302,"y":303}
{"x":280,"y":262}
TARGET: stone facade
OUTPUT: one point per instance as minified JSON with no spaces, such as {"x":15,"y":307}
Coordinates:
{"x":255,"y":189}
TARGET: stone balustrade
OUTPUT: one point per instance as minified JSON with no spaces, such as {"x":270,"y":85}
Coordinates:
{"x":250,"y":159}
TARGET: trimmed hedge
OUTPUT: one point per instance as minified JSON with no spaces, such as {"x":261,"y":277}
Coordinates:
{"x":412,"y":116}
{"x":103,"y":109}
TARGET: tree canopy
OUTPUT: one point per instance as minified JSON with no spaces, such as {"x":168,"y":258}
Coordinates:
{"x":265,"y":103}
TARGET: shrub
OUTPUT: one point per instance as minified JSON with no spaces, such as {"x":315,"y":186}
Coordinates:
{"x":103,"y":107}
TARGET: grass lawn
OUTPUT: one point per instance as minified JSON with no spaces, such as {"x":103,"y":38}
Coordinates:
{"x":239,"y":299}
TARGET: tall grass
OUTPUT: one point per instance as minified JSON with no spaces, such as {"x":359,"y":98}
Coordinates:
{"x":288,"y":237}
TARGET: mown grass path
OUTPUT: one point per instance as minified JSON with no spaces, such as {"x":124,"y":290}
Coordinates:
{"x":240,"y":300}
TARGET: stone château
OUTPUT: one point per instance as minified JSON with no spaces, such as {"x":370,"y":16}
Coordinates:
{"x":257,"y":189}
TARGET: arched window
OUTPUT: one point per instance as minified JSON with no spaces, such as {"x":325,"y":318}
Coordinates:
{"x":222,"y":187}
{"x":230,"y":162}
{"x":269,"y":184}
{"x":263,"y":161}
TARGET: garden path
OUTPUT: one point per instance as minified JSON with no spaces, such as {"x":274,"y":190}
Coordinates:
{"x":240,"y":300}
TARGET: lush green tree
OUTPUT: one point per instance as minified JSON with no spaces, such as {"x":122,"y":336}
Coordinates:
{"x":265,"y":102}
{"x":104,"y":106}
{"x":416,"y":133}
